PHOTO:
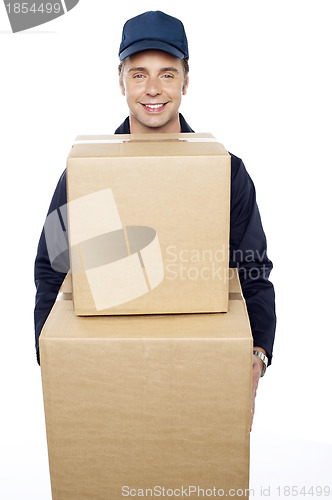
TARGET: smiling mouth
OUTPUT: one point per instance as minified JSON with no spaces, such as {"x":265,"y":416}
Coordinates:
{"x":153,"y":108}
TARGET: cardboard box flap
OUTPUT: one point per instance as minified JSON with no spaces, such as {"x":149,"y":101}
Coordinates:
{"x":145,"y":145}
{"x":113,"y":138}
{"x":64,"y":324}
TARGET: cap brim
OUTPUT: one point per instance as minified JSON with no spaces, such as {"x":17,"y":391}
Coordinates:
{"x":150,"y":44}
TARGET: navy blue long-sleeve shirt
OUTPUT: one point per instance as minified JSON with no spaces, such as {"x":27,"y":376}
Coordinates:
{"x":247,"y":253}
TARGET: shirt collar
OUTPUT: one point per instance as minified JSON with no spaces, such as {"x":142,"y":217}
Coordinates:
{"x":125,"y":126}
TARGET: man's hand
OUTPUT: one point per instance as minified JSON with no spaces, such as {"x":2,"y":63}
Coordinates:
{"x":257,"y":367}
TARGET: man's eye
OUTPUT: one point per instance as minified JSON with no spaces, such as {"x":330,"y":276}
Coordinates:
{"x":168,"y":76}
{"x":138,"y":76}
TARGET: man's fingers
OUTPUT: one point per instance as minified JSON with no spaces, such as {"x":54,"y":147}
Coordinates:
{"x":252,"y":414}
{"x":256,"y":373}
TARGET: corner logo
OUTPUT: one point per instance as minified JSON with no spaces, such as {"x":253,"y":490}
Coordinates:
{"x":120,"y":263}
{"x":24,"y":15}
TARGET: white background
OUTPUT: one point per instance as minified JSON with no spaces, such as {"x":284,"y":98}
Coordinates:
{"x":260,"y":81}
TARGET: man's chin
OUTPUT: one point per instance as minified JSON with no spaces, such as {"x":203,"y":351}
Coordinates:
{"x":155,"y":124}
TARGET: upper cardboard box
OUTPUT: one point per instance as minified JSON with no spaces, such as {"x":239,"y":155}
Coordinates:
{"x":149,"y":224}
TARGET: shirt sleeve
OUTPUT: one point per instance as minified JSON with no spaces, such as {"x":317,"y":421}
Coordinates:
{"x":52,"y":260}
{"x":248,"y":253}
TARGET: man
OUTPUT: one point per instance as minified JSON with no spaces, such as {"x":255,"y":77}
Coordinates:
{"x":153,"y":75}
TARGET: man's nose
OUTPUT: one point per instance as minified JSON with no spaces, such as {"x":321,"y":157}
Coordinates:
{"x":153,"y":86}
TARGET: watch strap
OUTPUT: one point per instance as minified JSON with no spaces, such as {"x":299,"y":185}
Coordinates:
{"x":263,"y":357}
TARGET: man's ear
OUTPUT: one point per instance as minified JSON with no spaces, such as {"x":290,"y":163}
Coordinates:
{"x":185,"y":85}
{"x":122,"y":87}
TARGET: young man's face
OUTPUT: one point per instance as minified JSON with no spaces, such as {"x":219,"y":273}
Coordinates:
{"x":153,"y":82}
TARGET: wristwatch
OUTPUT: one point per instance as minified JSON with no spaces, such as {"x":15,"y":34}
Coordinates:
{"x":261,"y":356}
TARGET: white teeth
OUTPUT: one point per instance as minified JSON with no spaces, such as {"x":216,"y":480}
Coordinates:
{"x":153,"y":106}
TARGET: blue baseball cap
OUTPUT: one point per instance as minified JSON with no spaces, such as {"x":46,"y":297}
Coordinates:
{"x":154,"y":30}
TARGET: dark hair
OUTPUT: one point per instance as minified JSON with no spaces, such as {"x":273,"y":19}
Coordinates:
{"x":185,"y":62}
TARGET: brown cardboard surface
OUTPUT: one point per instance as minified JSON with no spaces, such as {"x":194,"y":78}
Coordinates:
{"x":161,"y":243}
{"x":143,"y":401}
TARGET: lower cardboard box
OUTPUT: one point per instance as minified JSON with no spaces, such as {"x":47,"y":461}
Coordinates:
{"x":152,"y":405}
